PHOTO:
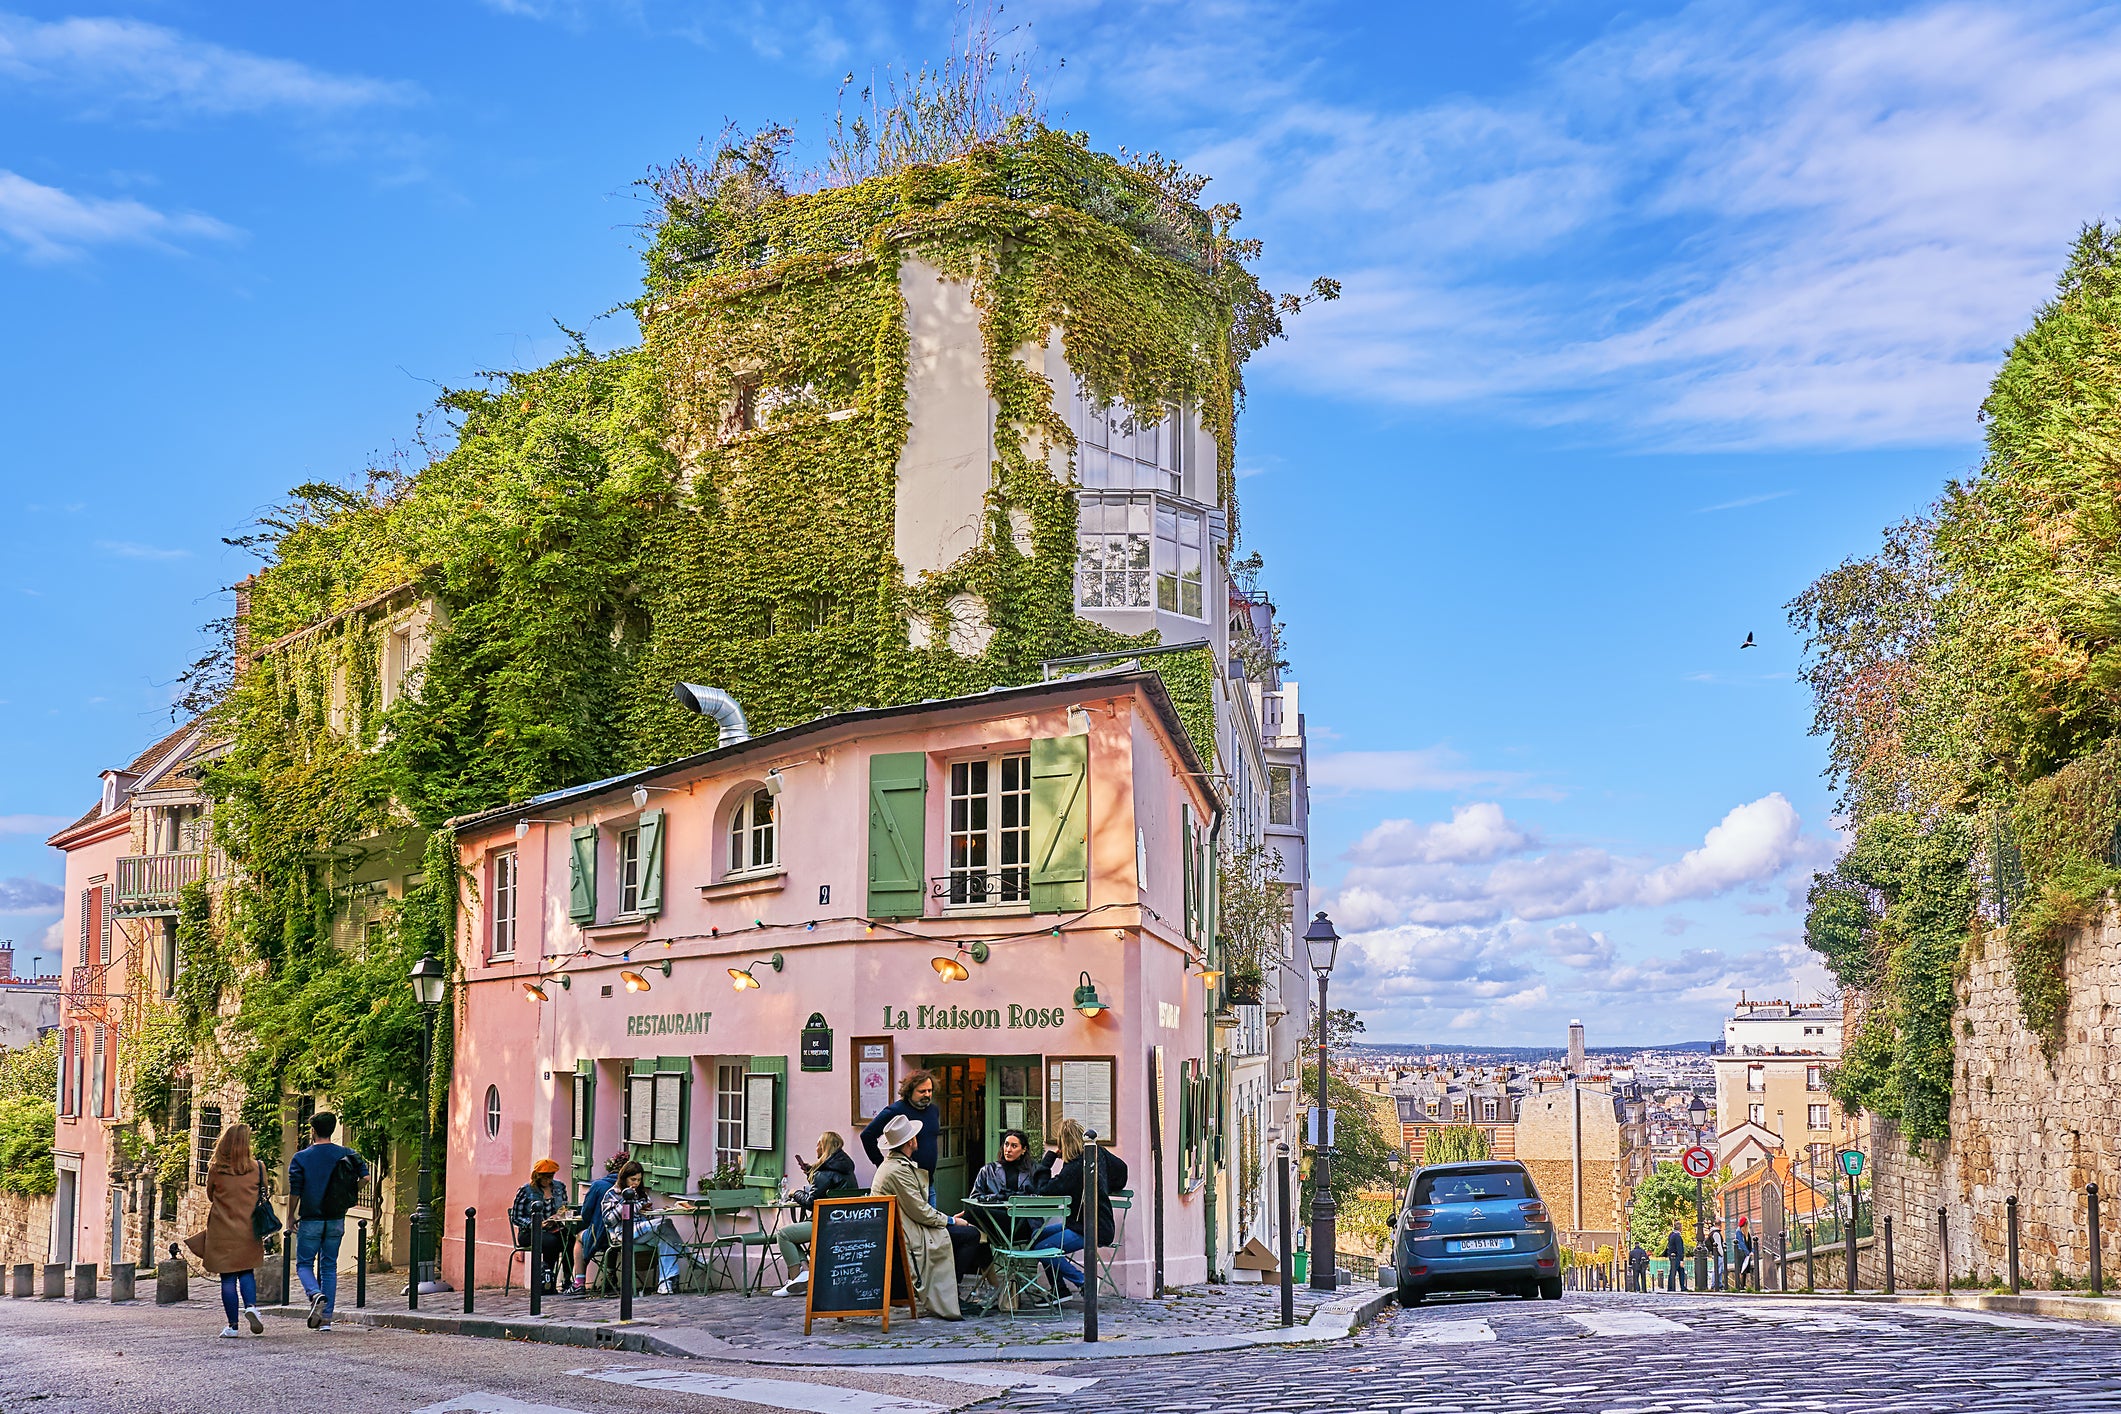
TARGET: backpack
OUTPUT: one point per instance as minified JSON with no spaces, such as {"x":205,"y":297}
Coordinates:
{"x":343,"y":1189}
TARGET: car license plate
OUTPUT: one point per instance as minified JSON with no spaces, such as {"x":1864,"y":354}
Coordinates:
{"x":1482,"y":1244}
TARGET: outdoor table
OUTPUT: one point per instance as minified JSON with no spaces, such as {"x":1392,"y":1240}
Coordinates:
{"x":713,"y":1242}
{"x":1010,"y":1225}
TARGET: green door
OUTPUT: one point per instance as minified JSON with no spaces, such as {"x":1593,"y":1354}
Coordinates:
{"x":954,"y":1093}
{"x":1015,"y":1101}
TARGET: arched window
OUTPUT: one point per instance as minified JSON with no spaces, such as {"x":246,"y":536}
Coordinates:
{"x":754,"y":843}
{"x":493,"y":1112}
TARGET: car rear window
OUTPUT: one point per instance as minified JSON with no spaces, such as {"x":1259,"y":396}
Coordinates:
{"x":1470,"y":1186}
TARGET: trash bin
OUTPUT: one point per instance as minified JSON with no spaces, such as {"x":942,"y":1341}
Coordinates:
{"x":1300,"y":1267}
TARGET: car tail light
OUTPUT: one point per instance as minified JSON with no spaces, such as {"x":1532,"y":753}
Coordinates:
{"x":1544,"y":1262}
{"x":1417,"y":1219}
{"x":1534,"y":1211}
{"x":1417,"y":1271}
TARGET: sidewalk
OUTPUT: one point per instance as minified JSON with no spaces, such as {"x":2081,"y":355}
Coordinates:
{"x":2055,"y":1305}
{"x":763,"y":1330}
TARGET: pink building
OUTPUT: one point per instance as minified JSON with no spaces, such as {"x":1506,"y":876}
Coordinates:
{"x":748,"y":947}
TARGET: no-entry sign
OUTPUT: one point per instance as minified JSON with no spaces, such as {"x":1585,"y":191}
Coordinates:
{"x":1698,"y":1162}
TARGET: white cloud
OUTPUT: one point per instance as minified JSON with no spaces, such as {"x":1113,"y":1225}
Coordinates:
{"x":1754,"y":842}
{"x":1724,"y":227}
{"x":30,"y":824}
{"x":1473,"y":833}
{"x":1427,"y":768}
{"x":116,"y":63}
{"x":21,"y":895}
{"x":48,"y":224}
{"x":133,"y":550}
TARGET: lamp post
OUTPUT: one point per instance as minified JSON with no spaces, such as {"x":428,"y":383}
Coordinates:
{"x":1323,"y":943}
{"x":428,"y":984}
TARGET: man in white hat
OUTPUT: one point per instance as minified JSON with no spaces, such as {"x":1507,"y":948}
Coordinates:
{"x":927,"y":1230}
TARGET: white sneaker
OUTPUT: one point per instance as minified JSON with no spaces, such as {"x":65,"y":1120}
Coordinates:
{"x":663,"y":1289}
{"x":257,"y":1322}
{"x":325,"y":1326}
{"x":230,"y":1333}
{"x":795,"y":1286}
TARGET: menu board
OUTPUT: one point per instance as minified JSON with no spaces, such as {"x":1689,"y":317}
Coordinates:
{"x":1080,"y":1089}
{"x":872,"y":1077}
{"x":857,"y":1254}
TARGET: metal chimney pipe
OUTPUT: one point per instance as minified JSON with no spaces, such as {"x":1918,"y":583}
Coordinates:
{"x":715,"y":703}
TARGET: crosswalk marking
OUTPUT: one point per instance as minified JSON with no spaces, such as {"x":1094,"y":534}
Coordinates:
{"x":1624,"y":1322}
{"x":774,"y":1394}
{"x":483,"y":1402}
{"x":988,"y":1377}
{"x":1448,"y":1333}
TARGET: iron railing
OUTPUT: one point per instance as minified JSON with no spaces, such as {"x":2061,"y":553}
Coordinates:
{"x":1007,"y":886}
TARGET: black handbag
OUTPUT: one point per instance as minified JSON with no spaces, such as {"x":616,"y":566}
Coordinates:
{"x":264,"y":1222}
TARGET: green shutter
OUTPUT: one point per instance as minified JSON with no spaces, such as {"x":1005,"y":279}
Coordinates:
{"x":651,"y":893}
{"x":1060,"y":824}
{"x":759,"y":1164}
{"x":898,"y":833}
{"x":585,"y":1122}
{"x":582,"y":875}
{"x":1187,"y":862}
{"x":665,"y":1163}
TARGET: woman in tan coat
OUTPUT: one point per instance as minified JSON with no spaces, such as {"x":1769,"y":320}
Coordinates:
{"x":927,"y":1230}
{"x":229,"y":1246}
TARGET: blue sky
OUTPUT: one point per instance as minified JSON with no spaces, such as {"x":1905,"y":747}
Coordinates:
{"x":1651,"y":314}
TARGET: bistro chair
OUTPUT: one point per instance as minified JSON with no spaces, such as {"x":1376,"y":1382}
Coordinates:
{"x":1019,"y":1268}
{"x":1122,"y":1204}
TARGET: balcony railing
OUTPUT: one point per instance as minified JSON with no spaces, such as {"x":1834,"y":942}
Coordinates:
{"x":87,"y":996}
{"x":963,"y":887}
{"x":151,"y":882}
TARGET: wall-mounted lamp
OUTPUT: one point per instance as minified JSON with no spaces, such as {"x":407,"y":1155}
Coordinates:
{"x":953,"y":969}
{"x":640,"y":794}
{"x":635,"y":982}
{"x":523,"y":826}
{"x":1086,"y":999}
{"x":774,"y":783}
{"x":535,"y":989}
{"x":743,"y":981}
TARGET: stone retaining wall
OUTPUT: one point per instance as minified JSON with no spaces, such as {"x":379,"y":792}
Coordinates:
{"x":25,"y":1228}
{"x":2019,"y":1125}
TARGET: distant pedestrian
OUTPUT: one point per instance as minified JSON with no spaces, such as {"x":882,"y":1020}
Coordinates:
{"x":1718,"y":1257}
{"x":326,"y":1178}
{"x":1675,"y":1254}
{"x":1638,"y":1267}
{"x":230,"y":1246}
{"x":1742,"y":1250}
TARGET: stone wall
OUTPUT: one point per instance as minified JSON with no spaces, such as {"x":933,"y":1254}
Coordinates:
{"x":2020,"y":1125}
{"x":25,"y":1228}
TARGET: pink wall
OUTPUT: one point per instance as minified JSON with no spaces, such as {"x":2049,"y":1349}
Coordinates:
{"x":91,"y":851}
{"x":526,"y":1050}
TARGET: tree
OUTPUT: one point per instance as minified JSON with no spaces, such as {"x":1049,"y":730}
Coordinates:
{"x":1667,"y":1197}
{"x":1342,"y":1027}
{"x":1361,"y":1154}
{"x":1456,"y":1144}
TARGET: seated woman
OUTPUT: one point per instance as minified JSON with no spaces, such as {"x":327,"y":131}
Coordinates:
{"x":1012,"y":1175}
{"x":595,"y":1237}
{"x":534,"y":1216}
{"x":931,"y":1237}
{"x":831,"y":1176}
{"x":629,"y":1201}
{"x":1067,"y":1182}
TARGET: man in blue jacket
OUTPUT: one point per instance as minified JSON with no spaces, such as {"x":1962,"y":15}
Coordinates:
{"x":327,"y":1179}
{"x":916,"y":1101}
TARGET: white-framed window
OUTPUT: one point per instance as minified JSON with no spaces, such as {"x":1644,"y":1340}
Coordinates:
{"x":1112,"y":538}
{"x":397,"y":661}
{"x":1180,"y":538}
{"x":1281,"y":795}
{"x":1487,"y":1110}
{"x":1757,"y":1114}
{"x":754,"y":834}
{"x":629,"y":871}
{"x":1755,"y":1079}
{"x":990,"y":830}
{"x":1815,"y":1077}
{"x":1815,"y":1117}
{"x":1119,"y":447}
{"x":504,"y":904}
{"x":728,"y":1115}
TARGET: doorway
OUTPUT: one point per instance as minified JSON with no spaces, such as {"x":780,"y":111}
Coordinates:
{"x":961,"y":1143}
{"x":63,"y":1204}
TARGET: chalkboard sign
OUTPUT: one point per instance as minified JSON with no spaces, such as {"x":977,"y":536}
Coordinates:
{"x":857,"y":1254}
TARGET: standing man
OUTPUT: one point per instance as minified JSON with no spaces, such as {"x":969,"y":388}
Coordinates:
{"x":1675,"y":1254}
{"x":327,"y":1178}
{"x":916,"y":1101}
{"x":1638,"y":1267}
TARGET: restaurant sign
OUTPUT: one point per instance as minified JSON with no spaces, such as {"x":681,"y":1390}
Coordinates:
{"x":669,"y":1023}
{"x":965,"y":1018}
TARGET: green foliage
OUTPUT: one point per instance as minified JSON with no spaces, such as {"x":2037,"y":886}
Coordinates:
{"x":1973,"y":668}
{"x":158,"y":1046}
{"x":31,"y":1072}
{"x":1663,"y":1198}
{"x":1455,"y":1144}
{"x":1361,"y":1153}
{"x":1254,"y":917}
{"x":26,"y":1146}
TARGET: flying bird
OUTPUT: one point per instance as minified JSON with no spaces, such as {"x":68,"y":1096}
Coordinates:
{"x":1748,"y":642}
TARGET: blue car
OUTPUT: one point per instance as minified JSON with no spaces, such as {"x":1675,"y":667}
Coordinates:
{"x":1477,"y":1226}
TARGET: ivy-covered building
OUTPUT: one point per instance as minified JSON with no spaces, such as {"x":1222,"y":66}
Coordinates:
{"x":960,"y":425}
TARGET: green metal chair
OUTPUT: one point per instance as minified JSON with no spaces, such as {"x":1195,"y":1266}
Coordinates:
{"x":1019,"y":1268}
{"x":1122,"y":1204}
{"x":729,"y":1252}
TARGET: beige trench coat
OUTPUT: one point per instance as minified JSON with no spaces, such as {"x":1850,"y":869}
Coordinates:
{"x":227,"y":1244}
{"x":927,"y":1234}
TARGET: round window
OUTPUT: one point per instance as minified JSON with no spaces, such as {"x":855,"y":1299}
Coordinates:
{"x":493,"y":1112}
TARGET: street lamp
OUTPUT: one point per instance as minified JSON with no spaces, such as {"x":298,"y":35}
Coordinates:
{"x":1324,"y":945}
{"x":1697,"y":1114}
{"x":429,"y":982}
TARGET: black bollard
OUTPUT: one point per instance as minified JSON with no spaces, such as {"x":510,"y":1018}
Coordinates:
{"x":626,"y":1263}
{"x":360,"y":1266}
{"x":1092,"y":1230}
{"x":1288,"y":1258}
{"x":535,"y":1262}
{"x":1944,"y":1253}
{"x":2091,"y":1198}
{"x":2010,"y":1237}
{"x":1811,"y":1240}
{"x":287,"y":1249}
{"x":1888,"y":1253}
{"x":412,"y":1287}
{"x":471,"y":1249}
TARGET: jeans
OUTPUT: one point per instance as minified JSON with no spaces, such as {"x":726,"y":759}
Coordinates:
{"x":1069,"y":1240}
{"x":795,"y":1247}
{"x":649,"y":1232}
{"x":1675,"y":1279}
{"x":317,"y":1258}
{"x":231,"y":1283}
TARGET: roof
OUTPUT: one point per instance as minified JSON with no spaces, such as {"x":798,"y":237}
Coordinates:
{"x":775,"y":743}
{"x":156,"y":756}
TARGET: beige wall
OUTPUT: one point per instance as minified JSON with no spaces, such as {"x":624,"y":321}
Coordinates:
{"x":1548,"y":1146}
{"x":1785,"y":1100}
{"x":943,"y":470}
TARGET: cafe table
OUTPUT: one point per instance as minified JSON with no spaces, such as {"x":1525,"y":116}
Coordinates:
{"x":733,"y":1222}
{"x":1010,"y":1225}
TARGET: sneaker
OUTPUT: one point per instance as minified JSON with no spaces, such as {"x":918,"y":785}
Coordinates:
{"x":580,"y":1287}
{"x":325,"y":1325}
{"x":229,"y":1333}
{"x":316,"y":1310}
{"x":664,"y":1289}
{"x":795,"y":1286}
{"x":257,"y":1322}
